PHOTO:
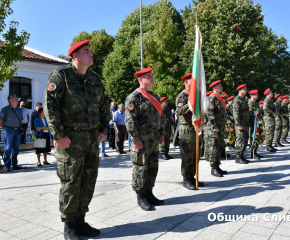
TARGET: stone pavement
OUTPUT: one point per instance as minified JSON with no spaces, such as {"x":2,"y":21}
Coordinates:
{"x":29,"y":201}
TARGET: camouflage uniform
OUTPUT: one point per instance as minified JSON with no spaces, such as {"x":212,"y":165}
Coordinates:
{"x":144,"y":124}
{"x":76,"y":106}
{"x":253,"y":104}
{"x":269,"y":110}
{"x":187,"y":136}
{"x":285,"y":120}
{"x":205,"y":136}
{"x":242,"y":116}
{"x":217,"y":118}
{"x":278,"y":122}
{"x":166,"y":115}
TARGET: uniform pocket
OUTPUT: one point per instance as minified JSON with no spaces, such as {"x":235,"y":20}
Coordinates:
{"x":62,"y":169}
{"x":138,"y":156}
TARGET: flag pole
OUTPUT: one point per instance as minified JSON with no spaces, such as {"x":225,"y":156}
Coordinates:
{"x":141,"y":33}
{"x":197,"y":146}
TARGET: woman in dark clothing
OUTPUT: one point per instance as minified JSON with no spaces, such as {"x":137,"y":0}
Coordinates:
{"x":42,"y":131}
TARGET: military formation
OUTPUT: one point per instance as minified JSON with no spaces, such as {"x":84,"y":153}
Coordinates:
{"x":78,"y":114}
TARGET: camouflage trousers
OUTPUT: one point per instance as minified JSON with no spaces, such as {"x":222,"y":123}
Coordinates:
{"x":77,"y":168}
{"x":278,"y":129}
{"x":145,"y":161}
{"x":205,"y":141}
{"x":215,"y":144}
{"x":164,"y":147}
{"x":269,"y":129}
{"x":242,"y":137}
{"x":187,"y":139}
{"x":285,"y":124}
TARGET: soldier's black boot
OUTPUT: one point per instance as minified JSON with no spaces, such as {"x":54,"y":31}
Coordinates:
{"x":275,"y":149}
{"x":222,"y":171}
{"x":277,"y":144}
{"x":245,"y":159}
{"x":187,"y":183}
{"x":285,"y":141}
{"x":215,"y":172}
{"x":270,"y":149}
{"x":240,"y":160}
{"x":169,"y":156}
{"x":71,"y":230}
{"x":165,"y":157}
{"x":85,"y":229}
{"x":152,"y":199}
{"x":207,"y":158}
{"x":258,"y":155}
{"x":142,"y":202}
{"x":254,"y":156}
{"x":193,"y":180}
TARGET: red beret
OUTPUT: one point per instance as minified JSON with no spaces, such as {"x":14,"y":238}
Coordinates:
{"x":261,"y":102}
{"x":285,"y":96}
{"x":267,"y":91}
{"x":187,"y":76}
{"x":241,"y":86}
{"x":209,"y":93}
{"x":77,"y":46}
{"x":162,"y":99}
{"x":223,"y":95}
{"x":277,"y":95}
{"x":215,"y":83}
{"x":253,"y":92}
{"x":230,"y":98}
{"x":143,"y":71}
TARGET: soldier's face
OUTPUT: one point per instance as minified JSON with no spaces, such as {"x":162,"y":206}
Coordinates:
{"x":164,"y":103}
{"x":218,"y":87}
{"x":285,"y":100}
{"x":85,"y":56}
{"x":270,"y":94}
{"x":244,"y":90}
{"x":261,"y":105}
{"x":255,"y":96}
{"x":230,"y":102}
{"x":147,"y":80}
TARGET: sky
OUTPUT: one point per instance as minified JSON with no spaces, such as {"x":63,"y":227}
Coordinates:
{"x":54,"y":23}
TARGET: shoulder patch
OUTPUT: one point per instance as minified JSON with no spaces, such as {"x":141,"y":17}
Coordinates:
{"x":236,"y":106}
{"x":51,"y":87}
{"x":130,"y":106}
{"x":180,"y":104}
{"x":211,"y":106}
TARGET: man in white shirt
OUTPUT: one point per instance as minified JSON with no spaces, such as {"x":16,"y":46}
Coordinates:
{"x":25,"y":121}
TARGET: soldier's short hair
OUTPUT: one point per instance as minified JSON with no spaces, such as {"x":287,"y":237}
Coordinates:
{"x":10,"y":97}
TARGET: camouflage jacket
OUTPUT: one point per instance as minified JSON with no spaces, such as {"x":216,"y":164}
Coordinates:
{"x":182,"y":109}
{"x":141,"y":113}
{"x":284,"y":110}
{"x":241,"y":111}
{"x":204,"y":119}
{"x":166,"y":114}
{"x":253,"y":104}
{"x":216,"y":113}
{"x":77,"y":101}
{"x":268,"y":107}
{"x":278,"y":109}
{"x":230,"y":112}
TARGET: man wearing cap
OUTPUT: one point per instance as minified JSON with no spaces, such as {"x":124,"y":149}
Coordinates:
{"x":254,"y":107}
{"x":145,"y":125}
{"x":167,"y":120}
{"x":77,"y":110}
{"x":278,"y":121}
{"x":285,"y":118}
{"x":187,"y":135}
{"x":241,"y":114}
{"x":217,"y":118}
{"x":269,"y":119}
{"x":205,"y":133}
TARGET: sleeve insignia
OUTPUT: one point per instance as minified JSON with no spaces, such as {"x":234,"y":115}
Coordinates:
{"x":180,"y":104}
{"x":211,"y":106}
{"x":130,"y":106}
{"x":51,"y":87}
{"x":236,"y":106}
{"x":105,"y":92}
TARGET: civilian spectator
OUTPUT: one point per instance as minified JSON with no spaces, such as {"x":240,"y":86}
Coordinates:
{"x":11,"y":121}
{"x":42,"y":131}
{"x":111,"y":132}
{"x":102,"y":145}
{"x":120,"y":129}
{"x":34,"y":115}
{"x":129,"y":142}
{"x":25,"y":121}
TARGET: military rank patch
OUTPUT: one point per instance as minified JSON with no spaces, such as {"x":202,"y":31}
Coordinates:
{"x":180,"y":104}
{"x":105,"y":92}
{"x":130,"y":107}
{"x":211,"y":106}
{"x":51,"y":87}
{"x":236,"y":106}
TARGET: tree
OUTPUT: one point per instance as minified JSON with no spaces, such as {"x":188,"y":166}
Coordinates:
{"x":11,"y":44}
{"x":163,"y":31}
{"x":101,"y":44}
{"x":62,"y":56}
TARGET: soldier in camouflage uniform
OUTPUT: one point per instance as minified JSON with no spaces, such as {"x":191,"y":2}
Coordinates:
{"x":269,"y":119}
{"x":166,"y":114}
{"x":230,"y":116}
{"x":223,"y":150}
{"x":242,"y":117}
{"x":187,"y":136}
{"x":77,"y":110}
{"x":278,"y":121}
{"x":217,"y":118}
{"x":145,"y":125}
{"x":205,"y":133}
{"x":285,"y":118}
{"x":254,"y":106}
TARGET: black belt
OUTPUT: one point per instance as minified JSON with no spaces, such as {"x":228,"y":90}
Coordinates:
{"x":12,"y":128}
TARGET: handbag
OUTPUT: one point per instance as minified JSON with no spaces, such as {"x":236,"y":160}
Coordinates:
{"x":40,"y":143}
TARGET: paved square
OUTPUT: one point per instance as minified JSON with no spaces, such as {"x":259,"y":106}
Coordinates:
{"x":258,"y":191}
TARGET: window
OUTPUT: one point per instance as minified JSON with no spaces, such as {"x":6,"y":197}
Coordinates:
{"x":22,"y":88}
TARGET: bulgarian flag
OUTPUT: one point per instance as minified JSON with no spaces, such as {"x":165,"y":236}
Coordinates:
{"x":197,"y":97}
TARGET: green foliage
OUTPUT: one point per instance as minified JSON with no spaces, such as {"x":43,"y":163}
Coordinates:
{"x":62,"y":56}
{"x":163,"y":32}
{"x":101,"y":44}
{"x":11,"y":44}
